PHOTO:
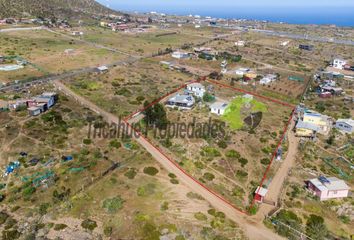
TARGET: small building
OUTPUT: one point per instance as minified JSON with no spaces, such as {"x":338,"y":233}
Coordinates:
{"x":332,"y":90}
{"x":306,"y":47}
{"x":101,"y":69}
{"x":345,"y":125}
{"x":242,"y":71}
{"x":218,"y":108}
{"x":325,"y":95}
{"x":69,"y":51}
{"x":339,"y":63}
{"x":180,"y":55}
{"x":284,"y":43}
{"x":328,"y":188}
{"x":77,"y":33}
{"x":317,"y":119}
{"x":34,"y":111}
{"x":181,"y":101}
{"x":2,"y":59}
{"x":305,"y":129}
{"x":49,"y":101}
{"x":197,"y":88}
{"x":240,"y":43}
{"x":268,"y":79}
{"x":260,"y":194}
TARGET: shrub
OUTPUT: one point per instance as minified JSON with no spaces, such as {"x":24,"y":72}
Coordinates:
{"x":164,"y":206}
{"x":87,"y":141}
{"x":241,"y":173}
{"x":265,"y":161}
{"x":112,"y":205}
{"x":243,"y":161}
{"x":171,"y":175}
{"x":131,"y":173}
{"x":174,"y":181}
{"x":115,"y":144}
{"x":60,"y":226}
{"x":146,"y":190}
{"x":200,"y":216}
{"x":28,"y":191}
{"x":108,"y":231}
{"x":222,"y":144}
{"x":3,"y":217}
{"x":233,"y":154}
{"x":208,"y":176}
{"x":10,"y":234}
{"x":151,"y":171}
{"x":89,"y":224}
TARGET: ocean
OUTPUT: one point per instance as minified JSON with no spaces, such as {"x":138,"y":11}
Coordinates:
{"x":339,"y":16}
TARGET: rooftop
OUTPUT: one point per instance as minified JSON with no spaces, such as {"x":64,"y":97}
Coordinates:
{"x":330,"y":184}
{"x":307,"y":125}
{"x":219,"y":105}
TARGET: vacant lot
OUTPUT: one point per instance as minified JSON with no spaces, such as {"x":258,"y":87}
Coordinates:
{"x":46,"y":50}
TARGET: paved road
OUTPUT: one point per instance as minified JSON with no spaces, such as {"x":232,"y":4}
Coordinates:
{"x":21,"y":29}
{"x":254,"y":230}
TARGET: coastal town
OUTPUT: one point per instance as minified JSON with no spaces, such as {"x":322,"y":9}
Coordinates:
{"x":278,"y":165}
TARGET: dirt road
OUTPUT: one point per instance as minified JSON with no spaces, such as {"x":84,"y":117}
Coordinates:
{"x":253,"y":230}
{"x":275,"y":187}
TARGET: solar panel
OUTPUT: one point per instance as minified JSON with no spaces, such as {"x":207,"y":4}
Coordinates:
{"x":323,"y":179}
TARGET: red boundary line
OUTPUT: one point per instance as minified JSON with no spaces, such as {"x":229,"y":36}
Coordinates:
{"x":184,"y":171}
{"x":126,"y":120}
{"x":252,"y":93}
{"x":274,"y":154}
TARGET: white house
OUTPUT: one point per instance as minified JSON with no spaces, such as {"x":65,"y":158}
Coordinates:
{"x":181,"y":101}
{"x":339,"y":63}
{"x":328,"y":188}
{"x":242,"y":71}
{"x":101,"y":69}
{"x":240,"y":43}
{"x":268,"y":79}
{"x":77,"y":33}
{"x":218,"y":108}
{"x":180,"y":55}
{"x":197,"y":89}
{"x":345,"y":125}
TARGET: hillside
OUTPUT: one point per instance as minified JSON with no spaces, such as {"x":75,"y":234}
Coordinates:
{"x":51,"y":8}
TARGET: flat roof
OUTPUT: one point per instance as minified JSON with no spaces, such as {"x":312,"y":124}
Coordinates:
{"x":219,"y":105}
{"x":307,"y":125}
{"x":331,"y":184}
{"x":261,"y":191}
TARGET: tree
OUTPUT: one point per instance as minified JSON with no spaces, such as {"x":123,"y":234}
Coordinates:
{"x":316,"y":228}
{"x":287,"y":219}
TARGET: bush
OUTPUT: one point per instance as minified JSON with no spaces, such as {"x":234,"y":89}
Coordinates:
{"x":146,"y":190}
{"x":131,"y":173}
{"x":3,"y":217}
{"x":112,"y":205}
{"x":28,"y":191}
{"x":316,"y":228}
{"x":87,"y":141}
{"x":209,"y":176}
{"x":164,"y":206}
{"x":241,"y":173}
{"x":10,"y":234}
{"x":222,"y":144}
{"x":171,"y":175}
{"x":265,"y":161}
{"x":174,"y":181}
{"x":108,"y":231}
{"x":115,"y":144}
{"x":243,"y":161}
{"x":151,"y":171}
{"x":233,"y":154}
{"x":200,"y":216}
{"x":89,"y":224}
{"x":60,"y":226}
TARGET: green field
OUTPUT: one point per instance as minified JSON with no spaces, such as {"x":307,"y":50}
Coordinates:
{"x":234,"y":112}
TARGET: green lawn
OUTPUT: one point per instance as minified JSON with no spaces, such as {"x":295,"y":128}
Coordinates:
{"x":233,"y":113}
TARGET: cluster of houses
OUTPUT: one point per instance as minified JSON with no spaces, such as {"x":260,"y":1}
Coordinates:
{"x":325,"y":188}
{"x":309,"y":123}
{"x":342,"y":64}
{"x":35,"y":105}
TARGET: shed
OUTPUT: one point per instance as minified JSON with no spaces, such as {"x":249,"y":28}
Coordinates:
{"x":218,"y":108}
{"x":260,"y":193}
{"x":34,"y":111}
